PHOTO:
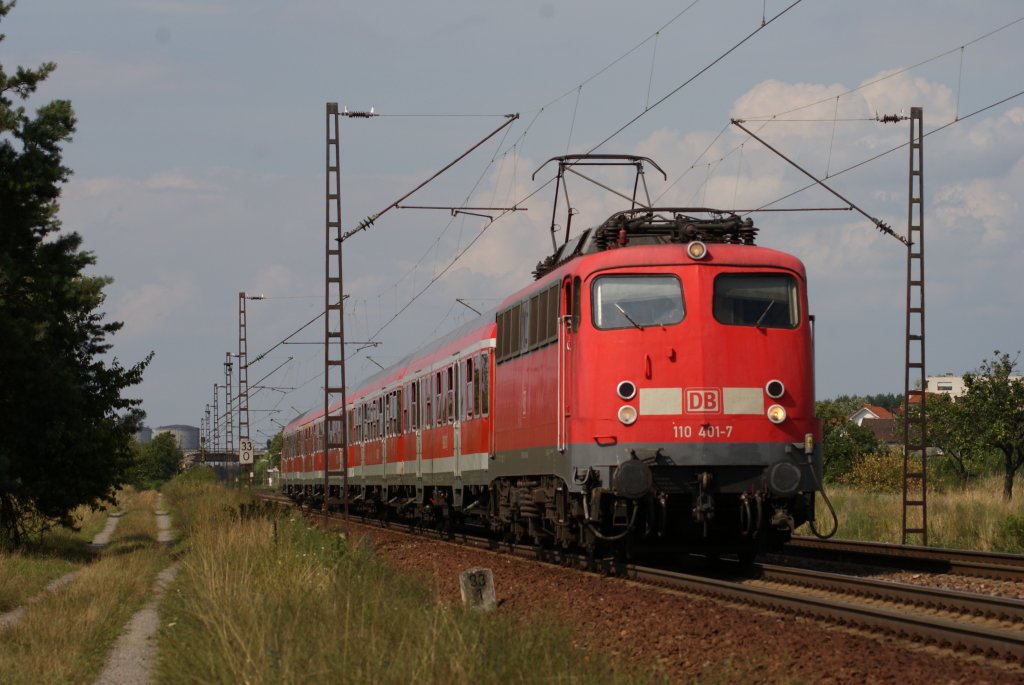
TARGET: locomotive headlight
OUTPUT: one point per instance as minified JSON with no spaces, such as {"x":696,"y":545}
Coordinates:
{"x":774,"y":389}
{"x":697,"y":250}
{"x":626,"y":390}
{"x":627,"y":414}
{"x":776,"y":413}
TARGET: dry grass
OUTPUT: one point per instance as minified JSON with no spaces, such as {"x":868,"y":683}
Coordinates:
{"x":25,"y":572}
{"x":261,"y":599}
{"x":972,"y":518}
{"x":65,"y":637}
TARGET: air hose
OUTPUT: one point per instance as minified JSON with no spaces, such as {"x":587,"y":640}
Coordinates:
{"x":828,"y":503}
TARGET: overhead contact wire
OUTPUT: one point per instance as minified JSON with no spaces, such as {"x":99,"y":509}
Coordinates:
{"x":697,"y":75}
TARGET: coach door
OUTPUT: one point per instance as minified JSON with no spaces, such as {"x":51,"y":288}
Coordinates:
{"x":567,"y":324}
{"x":456,"y":409}
{"x":418,"y":411}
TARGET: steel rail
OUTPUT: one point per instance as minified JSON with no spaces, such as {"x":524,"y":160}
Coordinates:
{"x":919,"y":596}
{"x":965,"y":562}
{"x":942,"y":631}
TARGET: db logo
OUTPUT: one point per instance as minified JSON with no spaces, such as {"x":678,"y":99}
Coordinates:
{"x":703,"y":400}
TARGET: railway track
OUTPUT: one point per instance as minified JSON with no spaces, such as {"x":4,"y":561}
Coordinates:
{"x":910,"y":557}
{"x":988,"y":636}
{"x":966,"y":622}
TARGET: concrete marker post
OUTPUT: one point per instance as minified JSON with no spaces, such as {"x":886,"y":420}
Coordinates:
{"x":477,"y":586}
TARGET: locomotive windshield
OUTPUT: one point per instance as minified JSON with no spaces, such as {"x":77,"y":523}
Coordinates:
{"x":761,"y":300}
{"x":637,"y":301}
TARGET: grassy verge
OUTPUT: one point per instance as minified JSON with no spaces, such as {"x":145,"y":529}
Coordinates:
{"x":66,"y":636}
{"x":25,"y":572}
{"x":972,"y":518}
{"x":270,"y":599}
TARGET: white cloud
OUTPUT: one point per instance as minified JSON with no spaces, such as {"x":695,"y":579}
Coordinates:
{"x":156,"y":307}
{"x":172,"y":180}
{"x":178,"y":7}
{"x":83,"y":75}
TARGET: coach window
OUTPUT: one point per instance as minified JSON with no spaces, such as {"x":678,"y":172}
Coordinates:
{"x":439,"y":398}
{"x":485,"y":370}
{"x":396,"y":412}
{"x":762,"y":300}
{"x":636,"y":301}
{"x":468,"y":376}
{"x":389,"y":415}
{"x":428,"y":403}
{"x":476,"y":386}
{"x":450,"y":390}
{"x":403,"y":393}
{"x":410,"y":407}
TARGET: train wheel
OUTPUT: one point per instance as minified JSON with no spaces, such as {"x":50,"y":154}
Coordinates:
{"x":747,"y":556}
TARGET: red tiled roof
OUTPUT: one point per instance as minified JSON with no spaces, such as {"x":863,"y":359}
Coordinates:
{"x":880,"y":412}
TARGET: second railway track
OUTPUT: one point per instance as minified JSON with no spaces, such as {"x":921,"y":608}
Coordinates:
{"x":994,"y":565}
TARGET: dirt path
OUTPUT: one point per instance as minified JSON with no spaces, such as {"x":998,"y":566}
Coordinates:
{"x":163,"y":523}
{"x":131,"y":662}
{"x":103,"y":537}
{"x":134,"y":654}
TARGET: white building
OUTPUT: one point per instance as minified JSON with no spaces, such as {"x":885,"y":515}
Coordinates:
{"x":187,"y":437}
{"x":951,"y":385}
{"x":946,"y":385}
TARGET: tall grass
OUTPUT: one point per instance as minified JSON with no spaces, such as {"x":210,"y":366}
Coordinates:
{"x":271,"y":599}
{"x":66,"y":636}
{"x":26,"y":571}
{"x":962,"y":518}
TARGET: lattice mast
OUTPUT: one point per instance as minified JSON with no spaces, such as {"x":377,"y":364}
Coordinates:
{"x":216,"y":418}
{"x":209,"y":445}
{"x":915,"y":435}
{"x":243,"y":374}
{"x":229,"y":438}
{"x":335,"y":436}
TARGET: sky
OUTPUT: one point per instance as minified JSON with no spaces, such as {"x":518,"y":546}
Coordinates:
{"x":200,"y":152}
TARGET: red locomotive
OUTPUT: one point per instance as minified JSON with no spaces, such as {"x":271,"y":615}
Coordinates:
{"x":655,"y":384}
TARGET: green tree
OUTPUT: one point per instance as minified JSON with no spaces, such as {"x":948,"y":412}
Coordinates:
{"x":158,"y":461}
{"x":962,"y":453}
{"x":887,"y":400}
{"x":843,"y":441}
{"x":274,"y":447}
{"x":992,"y":410}
{"x":66,"y":435}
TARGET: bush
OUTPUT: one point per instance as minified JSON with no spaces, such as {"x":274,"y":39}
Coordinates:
{"x":196,"y":475}
{"x":876,"y":472}
{"x":1010,"y":535}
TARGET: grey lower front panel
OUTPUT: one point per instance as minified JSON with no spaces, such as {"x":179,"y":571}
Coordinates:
{"x":675,"y":466}
{"x":735,"y":461}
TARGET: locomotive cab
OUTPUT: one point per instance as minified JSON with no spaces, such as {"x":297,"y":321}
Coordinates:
{"x":685,"y":388}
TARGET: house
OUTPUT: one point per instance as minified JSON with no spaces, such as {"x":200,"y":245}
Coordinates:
{"x":870,"y":412}
{"x":883,"y":424}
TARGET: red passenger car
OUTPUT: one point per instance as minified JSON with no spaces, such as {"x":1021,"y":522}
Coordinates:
{"x":654,"y":385}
